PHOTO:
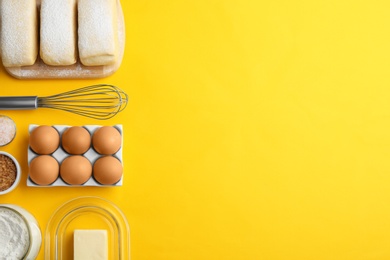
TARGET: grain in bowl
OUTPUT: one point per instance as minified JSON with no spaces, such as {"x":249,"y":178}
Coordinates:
{"x":9,"y":173}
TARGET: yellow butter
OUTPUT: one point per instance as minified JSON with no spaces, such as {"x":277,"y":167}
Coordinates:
{"x":90,"y":244}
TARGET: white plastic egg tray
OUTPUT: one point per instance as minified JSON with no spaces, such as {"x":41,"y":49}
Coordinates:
{"x":60,"y":154}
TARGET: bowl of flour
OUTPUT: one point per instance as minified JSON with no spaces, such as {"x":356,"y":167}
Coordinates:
{"x":20,"y":236}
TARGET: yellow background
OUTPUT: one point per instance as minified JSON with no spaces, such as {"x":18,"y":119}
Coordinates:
{"x":257,"y":129}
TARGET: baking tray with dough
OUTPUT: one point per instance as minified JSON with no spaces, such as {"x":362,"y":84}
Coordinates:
{"x":40,"y":70}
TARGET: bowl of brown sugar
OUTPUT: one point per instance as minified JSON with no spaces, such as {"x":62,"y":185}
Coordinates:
{"x":9,"y":173}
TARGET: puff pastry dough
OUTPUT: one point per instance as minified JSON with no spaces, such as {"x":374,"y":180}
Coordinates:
{"x":97,"y":32}
{"x":58,"y":42}
{"x":19,"y":32}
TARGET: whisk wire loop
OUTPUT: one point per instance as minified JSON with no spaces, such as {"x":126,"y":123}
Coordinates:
{"x":97,"y":101}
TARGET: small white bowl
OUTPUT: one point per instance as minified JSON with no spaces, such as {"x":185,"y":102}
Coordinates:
{"x":18,"y":174}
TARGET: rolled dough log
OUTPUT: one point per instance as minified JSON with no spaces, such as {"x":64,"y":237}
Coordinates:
{"x":19,"y":32}
{"x":97,"y":32}
{"x":58,"y":42}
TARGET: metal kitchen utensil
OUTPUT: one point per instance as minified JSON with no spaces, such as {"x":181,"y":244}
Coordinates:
{"x":97,"y":101}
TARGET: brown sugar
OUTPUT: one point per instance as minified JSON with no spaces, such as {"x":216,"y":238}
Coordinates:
{"x":7,"y":172}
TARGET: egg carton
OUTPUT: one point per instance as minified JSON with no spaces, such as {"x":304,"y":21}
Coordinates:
{"x":60,"y":154}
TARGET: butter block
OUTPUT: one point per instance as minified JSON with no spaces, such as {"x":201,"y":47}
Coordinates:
{"x":90,"y":244}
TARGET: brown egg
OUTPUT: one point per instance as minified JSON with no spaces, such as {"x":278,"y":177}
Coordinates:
{"x":44,"y":139}
{"x":44,"y":170}
{"x":107,"y":170}
{"x":76,"y":140}
{"x":75,"y":170}
{"x":106,"y":140}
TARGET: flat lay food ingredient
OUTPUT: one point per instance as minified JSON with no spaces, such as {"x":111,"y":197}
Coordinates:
{"x":76,"y":161}
{"x":93,"y":23}
{"x":107,"y":170}
{"x":44,"y":170}
{"x":90,"y":244}
{"x":76,"y":140}
{"x":75,"y":170}
{"x":98,"y":33}
{"x":19,"y":32}
{"x":7,"y":172}
{"x":58,"y":32}
{"x":14,"y":235}
{"x":44,"y":139}
{"x":106,"y":140}
{"x":7,"y":130}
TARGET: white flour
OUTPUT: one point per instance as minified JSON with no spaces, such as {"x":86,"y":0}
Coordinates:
{"x":14,"y":235}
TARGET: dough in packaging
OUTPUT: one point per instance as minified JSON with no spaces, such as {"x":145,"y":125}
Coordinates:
{"x":97,"y":32}
{"x":19,"y":32}
{"x":58,"y":42}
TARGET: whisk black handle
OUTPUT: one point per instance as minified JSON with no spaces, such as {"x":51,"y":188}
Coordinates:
{"x":18,"y":102}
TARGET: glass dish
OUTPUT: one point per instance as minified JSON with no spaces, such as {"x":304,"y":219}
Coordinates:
{"x":87,"y":213}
